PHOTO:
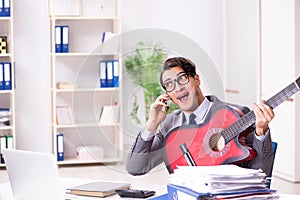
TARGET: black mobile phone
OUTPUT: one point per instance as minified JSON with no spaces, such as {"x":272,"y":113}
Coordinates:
{"x":135,"y":193}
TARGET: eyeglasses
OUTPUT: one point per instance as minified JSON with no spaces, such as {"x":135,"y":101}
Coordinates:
{"x":170,"y":85}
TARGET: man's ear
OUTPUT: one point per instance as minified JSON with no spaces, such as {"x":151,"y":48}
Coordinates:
{"x":197,"y":79}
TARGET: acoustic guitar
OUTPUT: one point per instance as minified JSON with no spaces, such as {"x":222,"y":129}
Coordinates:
{"x":199,"y":143}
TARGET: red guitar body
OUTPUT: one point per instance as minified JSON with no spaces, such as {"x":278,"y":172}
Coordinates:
{"x":197,"y":139}
{"x":222,"y":121}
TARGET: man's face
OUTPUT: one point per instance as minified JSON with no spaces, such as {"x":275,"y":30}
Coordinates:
{"x":186,"y":96}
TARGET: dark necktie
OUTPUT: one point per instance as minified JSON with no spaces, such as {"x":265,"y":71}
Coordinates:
{"x":192,"y":119}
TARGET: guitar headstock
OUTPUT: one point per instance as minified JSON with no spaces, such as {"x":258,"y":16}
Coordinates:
{"x":298,"y":82}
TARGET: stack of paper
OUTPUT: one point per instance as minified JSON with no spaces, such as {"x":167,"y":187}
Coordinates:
{"x":222,"y":181}
{"x":4,"y":117}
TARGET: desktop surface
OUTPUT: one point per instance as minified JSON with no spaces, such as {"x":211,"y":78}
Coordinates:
{"x":156,"y":180}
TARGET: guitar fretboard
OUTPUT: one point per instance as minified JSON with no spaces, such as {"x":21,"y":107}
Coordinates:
{"x":249,"y":119}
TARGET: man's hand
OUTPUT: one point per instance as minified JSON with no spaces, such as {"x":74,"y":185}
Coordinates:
{"x":158,"y":112}
{"x":264,"y":114}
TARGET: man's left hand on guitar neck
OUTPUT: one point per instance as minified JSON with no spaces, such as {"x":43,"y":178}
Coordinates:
{"x":264,"y":115}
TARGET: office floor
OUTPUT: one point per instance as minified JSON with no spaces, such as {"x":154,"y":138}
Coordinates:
{"x":158,"y":176}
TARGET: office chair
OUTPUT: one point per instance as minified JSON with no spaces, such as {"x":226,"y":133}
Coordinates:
{"x":274,"y":148}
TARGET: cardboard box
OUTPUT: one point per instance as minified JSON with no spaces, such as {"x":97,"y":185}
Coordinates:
{"x":90,"y":153}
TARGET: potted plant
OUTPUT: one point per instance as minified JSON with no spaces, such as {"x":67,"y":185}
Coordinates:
{"x":144,"y":69}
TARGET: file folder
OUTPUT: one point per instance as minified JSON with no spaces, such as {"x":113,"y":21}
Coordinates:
{"x":109,"y":72}
{"x":1,"y":8}
{"x":3,"y":44}
{"x":1,"y":76}
{"x":60,"y":146}
{"x":58,"y":39}
{"x":6,"y":8}
{"x":115,"y":73}
{"x":102,"y":73}
{"x":161,"y":197}
{"x":65,"y":39}
{"x":2,"y":146}
{"x":9,"y":142}
{"x":7,"y":75}
{"x":183,"y":193}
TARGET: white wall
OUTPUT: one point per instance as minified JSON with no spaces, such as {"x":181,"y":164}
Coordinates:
{"x":189,"y":22}
{"x":199,"y":20}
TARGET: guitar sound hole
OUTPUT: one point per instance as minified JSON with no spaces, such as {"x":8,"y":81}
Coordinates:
{"x":213,"y":142}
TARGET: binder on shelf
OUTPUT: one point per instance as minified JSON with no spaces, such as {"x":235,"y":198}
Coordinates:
{"x":7,"y":75}
{"x":60,"y":147}
{"x":108,"y":43}
{"x":5,"y":115}
{"x":1,"y":76}
{"x":1,"y":8}
{"x":103,"y":74}
{"x":6,"y":8}
{"x":58,"y":34}
{"x":2,"y":146}
{"x":109,"y":73}
{"x":9,"y":142}
{"x":65,"y":39}
{"x":116,"y":68}
{"x":109,"y":69}
{"x":3,"y":44}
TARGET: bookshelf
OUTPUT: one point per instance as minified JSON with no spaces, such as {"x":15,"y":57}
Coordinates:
{"x":75,"y":82}
{"x":7,"y":87}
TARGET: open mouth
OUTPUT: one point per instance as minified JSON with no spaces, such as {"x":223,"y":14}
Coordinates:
{"x":183,"y":97}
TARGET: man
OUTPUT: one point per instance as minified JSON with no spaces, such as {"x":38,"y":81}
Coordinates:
{"x":182,"y":86}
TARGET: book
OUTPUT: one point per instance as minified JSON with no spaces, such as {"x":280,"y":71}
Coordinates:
{"x":66,"y":85}
{"x":64,"y":115}
{"x":109,"y":115}
{"x":98,"y":189}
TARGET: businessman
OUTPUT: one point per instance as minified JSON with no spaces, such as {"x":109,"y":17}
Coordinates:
{"x":182,"y":85}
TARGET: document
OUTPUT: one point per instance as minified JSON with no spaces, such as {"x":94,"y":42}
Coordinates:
{"x":219,"y":179}
{"x":98,"y":189}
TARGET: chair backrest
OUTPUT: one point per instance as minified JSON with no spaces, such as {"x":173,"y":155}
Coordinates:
{"x":274,"y":148}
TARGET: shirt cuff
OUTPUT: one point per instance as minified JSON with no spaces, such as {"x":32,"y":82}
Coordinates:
{"x":262,"y":137}
{"x":147,"y":135}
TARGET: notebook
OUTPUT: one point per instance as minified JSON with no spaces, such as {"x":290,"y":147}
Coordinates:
{"x":33,"y":175}
{"x":98,"y":189}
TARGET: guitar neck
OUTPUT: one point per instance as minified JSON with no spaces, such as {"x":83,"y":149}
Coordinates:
{"x":249,"y":119}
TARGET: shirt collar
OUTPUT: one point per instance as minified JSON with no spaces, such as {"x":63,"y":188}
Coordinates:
{"x":200,"y":112}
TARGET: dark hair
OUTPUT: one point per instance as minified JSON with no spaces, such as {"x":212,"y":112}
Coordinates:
{"x":187,"y":65}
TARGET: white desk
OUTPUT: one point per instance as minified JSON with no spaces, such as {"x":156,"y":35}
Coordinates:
{"x":6,"y":193}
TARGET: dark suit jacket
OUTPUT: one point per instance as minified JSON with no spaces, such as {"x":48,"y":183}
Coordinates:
{"x":145,"y":155}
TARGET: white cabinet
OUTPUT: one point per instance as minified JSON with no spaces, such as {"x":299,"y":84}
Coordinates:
{"x":241,"y":51}
{"x":77,"y":98}
{"x":261,"y":58}
{"x":281,"y":66}
{"x":7,"y":82}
